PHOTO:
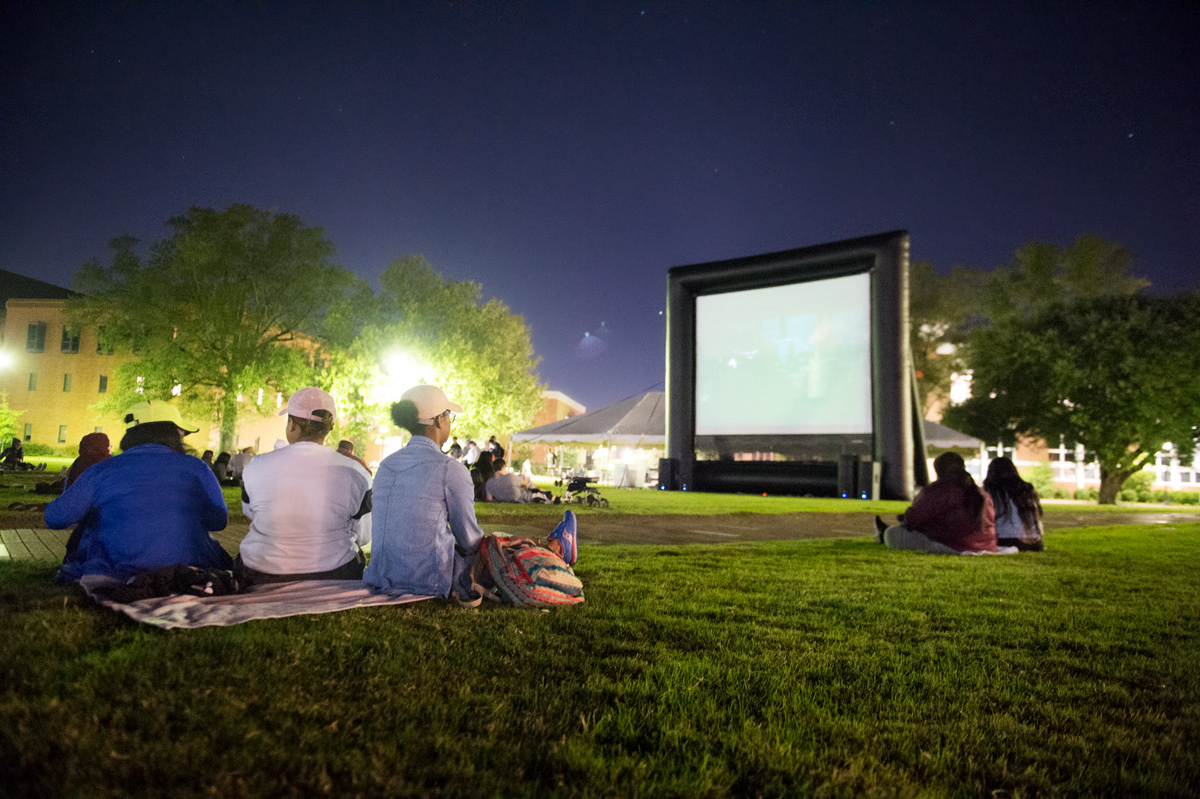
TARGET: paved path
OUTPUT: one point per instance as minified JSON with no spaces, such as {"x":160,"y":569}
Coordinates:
{"x":620,"y":528}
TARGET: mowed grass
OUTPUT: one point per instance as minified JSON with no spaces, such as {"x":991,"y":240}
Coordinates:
{"x":807,"y":668}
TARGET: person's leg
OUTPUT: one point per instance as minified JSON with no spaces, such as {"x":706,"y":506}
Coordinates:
{"x":566,"y":536}
{"x":900,"y":537}
{"x":1021,"y":544}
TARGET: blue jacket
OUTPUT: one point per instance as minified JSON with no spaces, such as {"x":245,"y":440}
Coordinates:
{"x":146,"y":508}
{"x":423,"y":505}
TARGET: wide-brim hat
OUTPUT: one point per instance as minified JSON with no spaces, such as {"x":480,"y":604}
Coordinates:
{"x":156,"y":411}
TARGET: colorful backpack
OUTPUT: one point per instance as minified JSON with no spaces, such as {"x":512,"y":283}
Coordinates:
{"x":528,"y":575}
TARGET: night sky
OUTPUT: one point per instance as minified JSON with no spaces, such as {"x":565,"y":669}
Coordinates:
{"x":565,"y":155}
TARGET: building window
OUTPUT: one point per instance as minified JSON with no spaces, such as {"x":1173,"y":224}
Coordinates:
{"x":66,"y":382}
{"x":102,"y":348}
{"x":70,"y":339}
{"x":36,"y":341}
{"x":62,"y":434}
{"x":28,"y":431}
{"x":103,"y":384}
{"x":33,"y":381}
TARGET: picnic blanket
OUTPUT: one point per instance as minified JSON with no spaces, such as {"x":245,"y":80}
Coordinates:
{"x":270,"y":601}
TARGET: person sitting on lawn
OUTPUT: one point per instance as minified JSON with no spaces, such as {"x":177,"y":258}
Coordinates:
{"x":483,"y":471}
{"x":1018,"y":510}
{"x":346,"y":447}
{"x":149,"y":507}
{"x":426,"y":538}
{"x":951,"y":515}
{"x":504,"y":486}
{"x":305,"y":502}
{"x":13,"y":456}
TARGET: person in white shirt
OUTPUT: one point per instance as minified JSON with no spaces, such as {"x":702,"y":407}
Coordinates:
{"x":309,"y":507}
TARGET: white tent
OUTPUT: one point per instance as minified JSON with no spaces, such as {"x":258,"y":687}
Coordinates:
{"x":640,"y":419}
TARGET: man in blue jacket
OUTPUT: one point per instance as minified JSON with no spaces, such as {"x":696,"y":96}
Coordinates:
{"x":149,"y":507}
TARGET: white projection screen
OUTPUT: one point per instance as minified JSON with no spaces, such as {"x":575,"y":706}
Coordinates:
{"x":789,"y":372}
{"x":785,"y":360}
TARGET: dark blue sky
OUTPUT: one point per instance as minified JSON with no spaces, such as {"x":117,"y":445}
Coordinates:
{"x":566,"y":155}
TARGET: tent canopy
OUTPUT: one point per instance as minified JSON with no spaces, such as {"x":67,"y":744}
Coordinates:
{"x":640,"y":419}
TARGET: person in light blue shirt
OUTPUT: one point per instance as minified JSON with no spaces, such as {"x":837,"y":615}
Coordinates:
{"x":425,"y":537}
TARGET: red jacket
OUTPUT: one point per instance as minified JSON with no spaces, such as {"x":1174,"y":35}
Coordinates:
{"x":938,"y":514}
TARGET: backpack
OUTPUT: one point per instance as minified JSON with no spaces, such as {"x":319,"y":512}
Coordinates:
{"x":528,"y":575}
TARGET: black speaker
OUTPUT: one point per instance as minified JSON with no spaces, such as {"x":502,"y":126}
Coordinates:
{"x":668,"y":474}
{"x":846,"y":475}
{"x":866,"y":486}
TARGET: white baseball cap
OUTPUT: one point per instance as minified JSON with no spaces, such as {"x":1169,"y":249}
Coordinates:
{"x":305,"y":403}
{"x":431,"y":402}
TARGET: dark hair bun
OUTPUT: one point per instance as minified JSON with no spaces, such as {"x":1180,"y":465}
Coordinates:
{"x":404,"y":414}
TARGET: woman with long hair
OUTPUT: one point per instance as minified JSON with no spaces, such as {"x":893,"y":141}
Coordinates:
{"x":483,"y":470}
{"x":1018,"y":509}
{"x":149,"y":507}
{"x":951,"y":515}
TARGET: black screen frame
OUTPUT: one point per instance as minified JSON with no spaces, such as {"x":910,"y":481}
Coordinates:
{"x":898,"y":442}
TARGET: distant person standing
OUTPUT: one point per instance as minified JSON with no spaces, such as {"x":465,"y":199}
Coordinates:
{"x":455,"y":450}
{"x":493,"y":446}
{"x":304,"y":502}
{"x":470,"y":453}
{"x":1018,"y":509}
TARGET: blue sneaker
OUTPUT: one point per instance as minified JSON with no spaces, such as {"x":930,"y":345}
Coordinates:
{"x":566,"y":534}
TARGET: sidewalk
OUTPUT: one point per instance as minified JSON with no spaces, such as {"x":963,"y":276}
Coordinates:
{"x":46,"y":545}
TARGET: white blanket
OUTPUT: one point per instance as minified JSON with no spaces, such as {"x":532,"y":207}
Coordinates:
{"x":271,"y":601}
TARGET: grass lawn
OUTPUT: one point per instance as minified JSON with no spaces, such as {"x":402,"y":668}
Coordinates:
{"x":822,"y":667}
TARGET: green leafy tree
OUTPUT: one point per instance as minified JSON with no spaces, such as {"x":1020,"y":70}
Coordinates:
{"x":480,"y":353}
{"x":224,"y":307}
{"x":8,"y":421}
{"x":1114,"y":373}
{"x":941,"y":310}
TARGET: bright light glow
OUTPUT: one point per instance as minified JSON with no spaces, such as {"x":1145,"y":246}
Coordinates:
{"x":176,"y":389}
{"x":260,"y":396}
{"x":6,"y":359}
{"x":141,"y":385}
{"x":401,"y":372}
{"x":960,"y":387}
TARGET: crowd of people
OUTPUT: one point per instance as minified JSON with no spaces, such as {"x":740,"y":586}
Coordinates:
{"x":953,"y":515}
{"x":312,"y":509}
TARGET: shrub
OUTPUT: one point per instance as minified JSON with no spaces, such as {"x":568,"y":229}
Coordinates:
{"x":1062,"y":493}
{"x":36,"y":450}
{"x":1127,"y":495}
{"x":1091,"y":494}
{"x":1185,"y":497}
{"x":1042,"y":478}
{"x":1138,"y":485}
{"x":1160,"y":496}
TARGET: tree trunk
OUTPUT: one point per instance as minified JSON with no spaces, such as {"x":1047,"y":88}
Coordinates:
{"x":1110,"y":485}
{"x":229,"y":419}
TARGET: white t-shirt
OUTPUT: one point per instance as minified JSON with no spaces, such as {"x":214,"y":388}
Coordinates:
{"x":301,"y":500}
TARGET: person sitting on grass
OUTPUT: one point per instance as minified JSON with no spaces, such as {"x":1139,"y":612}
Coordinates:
{"x":950,"y":516}
{"x":346,"y":448}
{"x":13,"y":456}
{"x":483,"y":471}
{"x":1018,"y":510}
{"x":149,"y":507}
{"x":305,"y":503}
{"x":426,"y":536}
{"x":505,"y":486}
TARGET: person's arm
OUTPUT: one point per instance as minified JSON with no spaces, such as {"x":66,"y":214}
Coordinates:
{"x":214,"y":514}
{"x":989,"y":514}
{"x":460,"y":509}
{"x":74,"y":503}
{"x":925,"y":508}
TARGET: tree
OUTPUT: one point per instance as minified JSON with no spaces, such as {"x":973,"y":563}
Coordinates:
{"x":1114,"y":373}
{"x":224,"y":307}
{"x":480,"y":353}
{"x":941,"y":310}
{"x":8,"y":421}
